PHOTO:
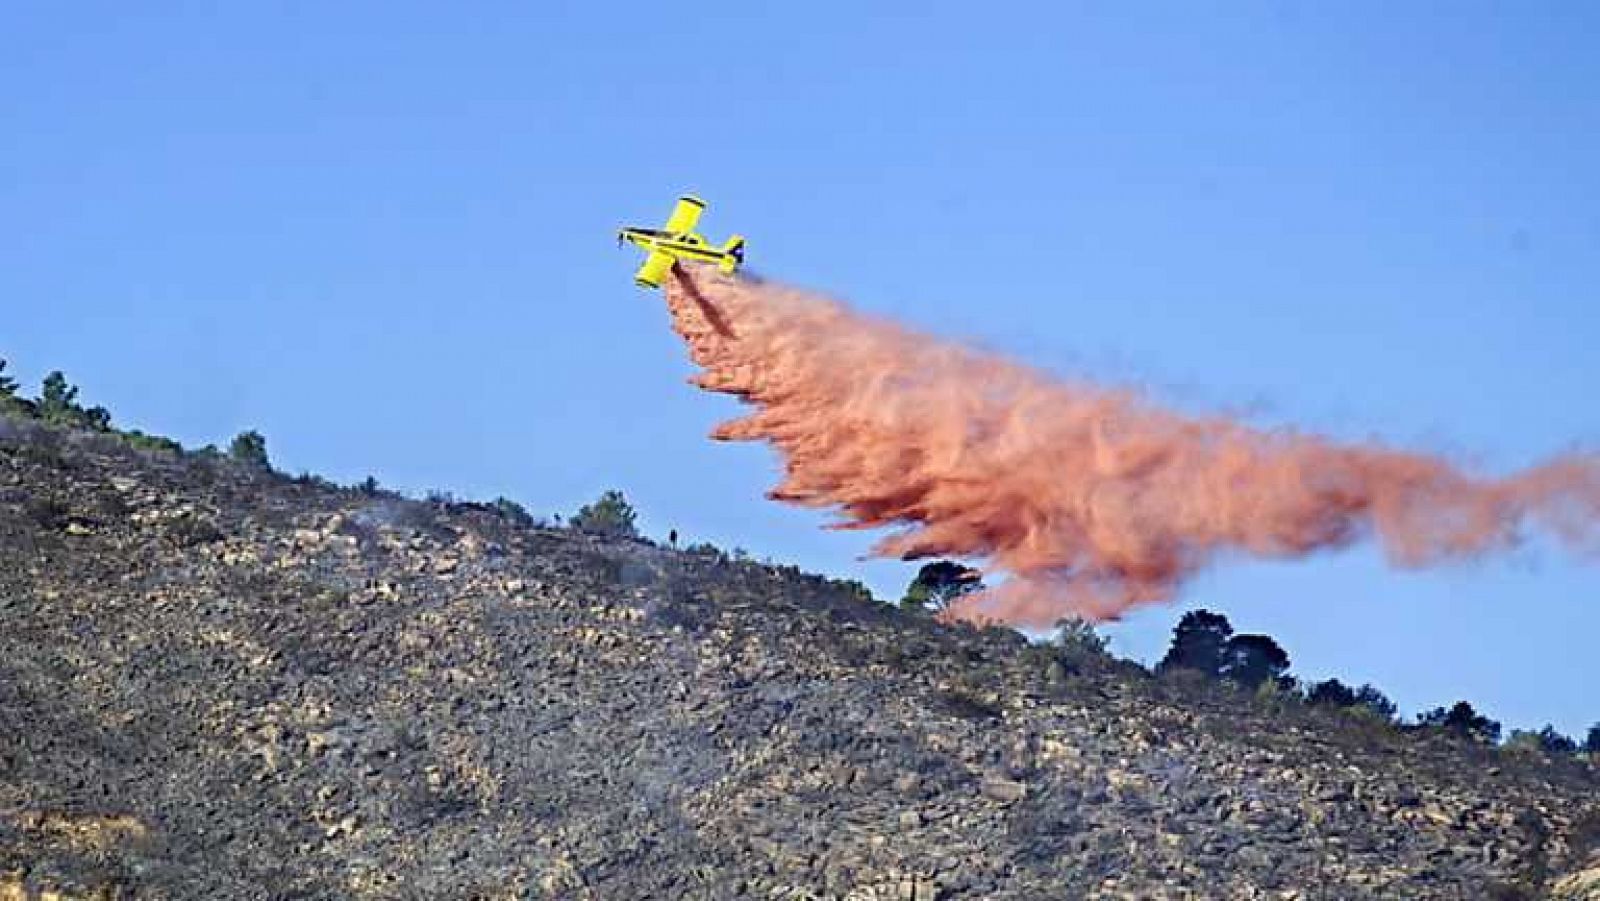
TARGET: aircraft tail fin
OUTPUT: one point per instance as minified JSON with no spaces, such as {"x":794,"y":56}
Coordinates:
{"x":735,"y":254}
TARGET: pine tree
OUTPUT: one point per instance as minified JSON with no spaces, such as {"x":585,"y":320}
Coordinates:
{"x":938,"y":585}
{"x":58,"y":402}
{"x":1251,"y":660}
{"x":1199,"y":642}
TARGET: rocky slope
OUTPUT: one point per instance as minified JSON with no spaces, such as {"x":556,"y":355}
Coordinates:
{"x":219,"y":683}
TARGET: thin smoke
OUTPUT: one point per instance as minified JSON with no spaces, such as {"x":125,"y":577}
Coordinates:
{"x":1092,"y":499}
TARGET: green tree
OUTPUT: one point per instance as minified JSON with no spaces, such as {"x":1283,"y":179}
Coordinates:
{"x":938,"y":585}
{"x":97,"y":418}
{"x":1376,"y":703}
{"x":1462,"y":720}
{"x":1199,"y":642}
{"x":1078,"y":635}
{"x":58,"y":402}
{"x":1366,"y":700}
{"x":1591,"y":744}
{"x":1330,"y":693}
{"x":512,"y":512}
{"x":58,"y":405}
{"x":610,"y":515}
{"x":1251,"y":660}
{"x":250,"y":448}
{"x":10,"y":403}
{"x":1554,"y":743}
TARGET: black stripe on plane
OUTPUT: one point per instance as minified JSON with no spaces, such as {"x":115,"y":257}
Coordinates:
{"x":699,"y":253}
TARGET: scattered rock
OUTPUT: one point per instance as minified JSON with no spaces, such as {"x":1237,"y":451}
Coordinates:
{"x":240,"y":681}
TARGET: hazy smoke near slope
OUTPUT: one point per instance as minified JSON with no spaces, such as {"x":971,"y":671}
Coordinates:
{"x":1091,"y":498}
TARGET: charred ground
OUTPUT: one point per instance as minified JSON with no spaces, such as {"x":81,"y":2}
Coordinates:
{"x":217,"y":682}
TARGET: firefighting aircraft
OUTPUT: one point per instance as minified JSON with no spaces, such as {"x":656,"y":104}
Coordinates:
{"x":678,"y":241}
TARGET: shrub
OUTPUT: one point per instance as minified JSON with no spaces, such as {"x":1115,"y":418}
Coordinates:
{"x":512,"y":512}
{"x":190,"y":530}
{"x":1366,"y":701}
{"x":141,"y":441}
{"x":58,"y":406}
{"x":1463,"y":721}
{"x":309,"y":479}
{"x":1275,"y":694}
{"x":1376,"y":703}
{"x":48,"y":512}
{"x":852,"y":588}
{"x":1078,"y":638}
{"x":610,"y":515}
{"x":1183,"y":678}
{"x":1545,"y":741}
{"x":96,"y":418}
{"x":250,"y":449}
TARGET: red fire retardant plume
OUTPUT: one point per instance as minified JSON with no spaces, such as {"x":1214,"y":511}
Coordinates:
{"x":1092,"y":499}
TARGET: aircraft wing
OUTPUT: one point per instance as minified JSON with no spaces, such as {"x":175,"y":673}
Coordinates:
{"x":655,"y":268}
{"x":685,"y":215}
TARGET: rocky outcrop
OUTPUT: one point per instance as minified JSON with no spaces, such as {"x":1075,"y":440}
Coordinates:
{"x":216,"y":683}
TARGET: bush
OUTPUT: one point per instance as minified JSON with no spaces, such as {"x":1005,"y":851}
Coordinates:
{"x":190,"y":530}
{"x":1366,"y":701}
{"x":309,"y":479}
{"x":1275,"y":695}
{"x":1375,"y":702}
{"x":706,"y":551}
{"x":1078,"y":638}
{"x":1185,"y":679}
{"x":250,"y":449}
{"x":58,"y":406}
{"x":852,"y":588}
{"x":1545,"y":741}
{"x":610,"y":515}
{"x":512,"y":512}
{"x":1330,"y":693}
{"x":141,"y":441}
{"x":1463,"y":721}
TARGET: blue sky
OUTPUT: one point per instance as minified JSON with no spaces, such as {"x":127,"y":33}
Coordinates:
{"x":381,"y":234}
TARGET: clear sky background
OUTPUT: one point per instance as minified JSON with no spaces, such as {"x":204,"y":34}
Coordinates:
{"x":381,"y":234}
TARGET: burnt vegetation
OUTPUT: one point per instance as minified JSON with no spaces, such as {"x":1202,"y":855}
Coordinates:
{"x":216,"y":677}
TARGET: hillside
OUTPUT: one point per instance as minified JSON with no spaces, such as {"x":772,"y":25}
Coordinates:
{"x":217,"y":682}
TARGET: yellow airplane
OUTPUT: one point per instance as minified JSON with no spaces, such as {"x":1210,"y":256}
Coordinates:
{"x":679,"y":241}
